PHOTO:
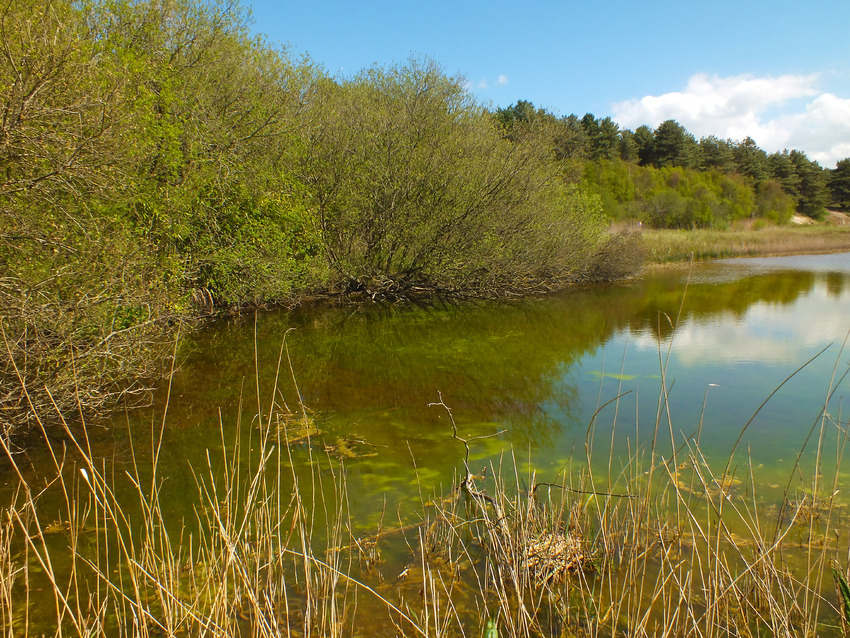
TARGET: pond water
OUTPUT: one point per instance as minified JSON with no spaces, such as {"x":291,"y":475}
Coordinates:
{"x":539,"y":378}
{"x":737,"y":365}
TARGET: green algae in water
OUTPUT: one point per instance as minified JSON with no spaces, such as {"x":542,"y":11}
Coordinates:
{"x":610,"y":375}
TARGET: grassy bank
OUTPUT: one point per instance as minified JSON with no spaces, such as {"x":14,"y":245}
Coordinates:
{"x":671,"y":246}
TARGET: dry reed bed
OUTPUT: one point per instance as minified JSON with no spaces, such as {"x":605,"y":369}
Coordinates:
{"x":662,"y":546}
{"x":667,"y":246}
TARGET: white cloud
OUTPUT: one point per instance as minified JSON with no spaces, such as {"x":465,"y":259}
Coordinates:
{"x":484,"y":84}
{"x":787,"y":111}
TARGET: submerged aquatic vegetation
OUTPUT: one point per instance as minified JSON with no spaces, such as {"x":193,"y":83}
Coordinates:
{"x":662,"y":544}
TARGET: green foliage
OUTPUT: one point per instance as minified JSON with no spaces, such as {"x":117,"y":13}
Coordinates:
{"x":714,"y":153}
{"x":570,"y":139}
{"x":523,"y":113}
{"x":811,"y":194}
{"x":628,"y":146}
{"x":157,"y":161}
{"x":839,"y":184}
{"x":681,"y":197}
{"x":603,"y":137}
{"x":673,"y":145}
{"x":259,"y":250}
{"x":773,"y":203}
{"x":844,"y":593}
{"x":676,"y":197}
{"x":612,"y":181}
{"x":140,"y":164}
{"x":750,"y":160}
{"x":645,"y":141}
{"x":584,"y":145}
{"x":415,"y":186}
{"x":782,"y":170}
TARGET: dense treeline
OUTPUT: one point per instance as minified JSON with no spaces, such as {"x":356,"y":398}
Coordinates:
{"x":157,"y":161}
{"x":666,"y":178}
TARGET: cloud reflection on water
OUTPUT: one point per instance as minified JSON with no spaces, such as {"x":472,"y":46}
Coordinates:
{"x":767,"y":332}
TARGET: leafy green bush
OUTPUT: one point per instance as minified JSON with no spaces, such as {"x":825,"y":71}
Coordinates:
{"x":414,"y":185}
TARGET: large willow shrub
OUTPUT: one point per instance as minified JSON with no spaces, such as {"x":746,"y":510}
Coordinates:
{"x":414,"y":185}
{"x":139,"y":171}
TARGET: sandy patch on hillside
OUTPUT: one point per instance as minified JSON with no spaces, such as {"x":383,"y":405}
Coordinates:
{"x":832,"y":218}
{"x":802,"y":220}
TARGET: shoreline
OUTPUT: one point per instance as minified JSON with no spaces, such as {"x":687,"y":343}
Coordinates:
{"x":668,"y":247}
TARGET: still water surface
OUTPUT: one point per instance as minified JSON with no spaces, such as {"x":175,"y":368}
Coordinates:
{"x":598,"y":375}
{"x":720,"y":337}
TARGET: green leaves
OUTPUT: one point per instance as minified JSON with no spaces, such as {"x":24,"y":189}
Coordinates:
{"x":677,"y":197}
{"x":415,"y":185}
{"x":843,"y":592}
{"x":141,"y":160}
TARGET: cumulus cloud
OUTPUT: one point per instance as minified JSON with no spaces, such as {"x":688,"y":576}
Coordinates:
{"x":484,"y":83}
{"x":788,"y":111}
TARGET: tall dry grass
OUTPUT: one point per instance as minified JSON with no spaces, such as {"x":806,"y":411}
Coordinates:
{"x":663,"y":544}
{"x":671,"y":246}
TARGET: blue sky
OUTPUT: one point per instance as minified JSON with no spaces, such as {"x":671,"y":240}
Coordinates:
{"x":777,"y":71}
